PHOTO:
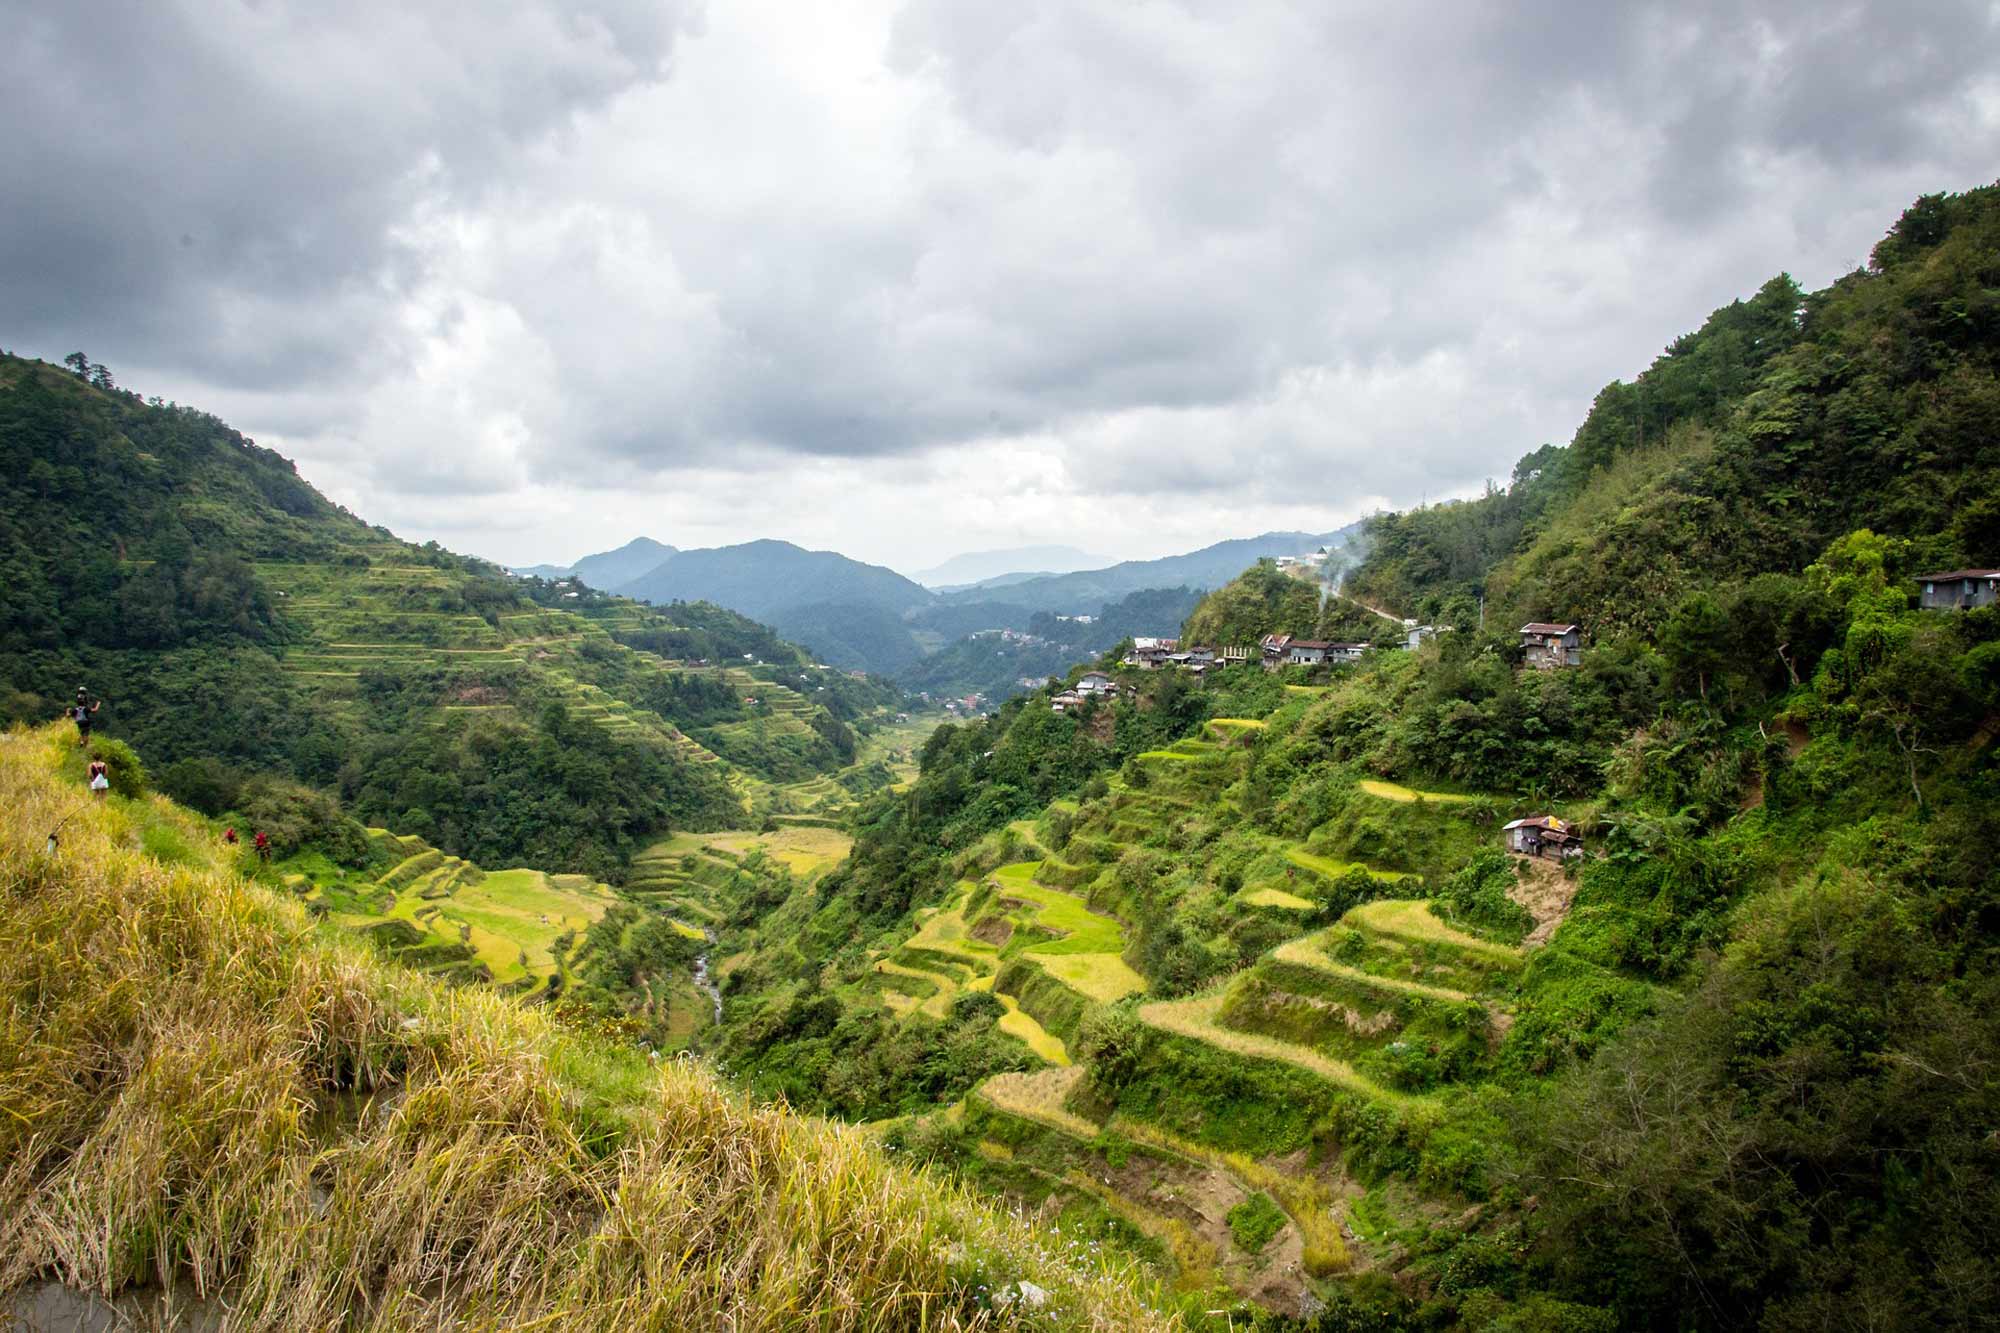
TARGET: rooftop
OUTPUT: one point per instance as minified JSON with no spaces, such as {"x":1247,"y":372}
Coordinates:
{"x":1951,"y":574}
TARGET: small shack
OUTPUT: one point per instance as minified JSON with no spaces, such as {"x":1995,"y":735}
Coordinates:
{"x":1959,"y":589}
{"x":1544,"y":835}
{"x":1549,"y":646}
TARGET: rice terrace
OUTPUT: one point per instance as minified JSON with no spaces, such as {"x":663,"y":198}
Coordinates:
{"x":1071,"y":668}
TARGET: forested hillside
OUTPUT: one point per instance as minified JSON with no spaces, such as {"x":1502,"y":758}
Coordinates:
{"x":1748,"y":446}
{"x":1265,"y":600}
{"x":244,"y":632}
{"x":1245,"y":976}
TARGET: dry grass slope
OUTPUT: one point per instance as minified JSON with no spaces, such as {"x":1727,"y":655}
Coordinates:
{"x":198,"y":1084}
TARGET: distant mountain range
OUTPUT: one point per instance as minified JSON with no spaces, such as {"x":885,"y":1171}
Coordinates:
{"x":985,"y":568}
{"x":1086,"y":591}
{"x":868,"y":617}
{"x":607,"y":569}
{"x":774,"y":577}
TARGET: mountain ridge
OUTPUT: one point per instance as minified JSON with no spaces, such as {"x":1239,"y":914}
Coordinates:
{"x":981,"y":568}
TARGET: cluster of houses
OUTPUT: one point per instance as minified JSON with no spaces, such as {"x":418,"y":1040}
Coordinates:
{"x":1303,"y":563}
{"x":1282,"y":650}
{"x":1151,"y":654}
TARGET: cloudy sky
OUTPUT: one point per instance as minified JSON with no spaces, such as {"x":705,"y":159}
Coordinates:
{"x":907,"y":279}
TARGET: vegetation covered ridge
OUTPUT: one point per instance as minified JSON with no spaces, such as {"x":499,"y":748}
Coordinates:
{"x":1637,"y":971}
{"x":203,"y":1088}
{"x":254,"y":639}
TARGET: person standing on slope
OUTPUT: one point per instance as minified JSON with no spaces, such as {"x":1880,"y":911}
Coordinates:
{"x":100,"y":775}
{"x":80,"y":713}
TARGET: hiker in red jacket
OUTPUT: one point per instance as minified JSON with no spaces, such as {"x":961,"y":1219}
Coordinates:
{"x":263,"y":845}
{"x":229,"y":835}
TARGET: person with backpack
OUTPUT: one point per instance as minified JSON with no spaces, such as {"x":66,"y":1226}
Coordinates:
{"x":80,"y":713}
{"x":99,"y":775}
{"x":263,"y":845}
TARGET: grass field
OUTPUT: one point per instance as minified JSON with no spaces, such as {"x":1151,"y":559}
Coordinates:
{"x":510,"y":921}
{"x":803,"y":850}
{"x":1307,"y":953}
{"x":1040,"y":1097}
{"x":1331,"y":869}
{"x":1390,"y":791}
{"x":1270,"y":897}
{"x":1021,"y":1025}
{"x":1083,"y":930}
{"x":1411,"y":920}
{"x":1087,"y":958}
{"x":1198,"y":1018}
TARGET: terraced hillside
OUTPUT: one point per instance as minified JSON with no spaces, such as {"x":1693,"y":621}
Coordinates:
{"x":236,"y":1090}
{"x":237,"y":626}
{"x":1192,"y":994}
{"x":519,"y":929}
{"x":399,"y":617}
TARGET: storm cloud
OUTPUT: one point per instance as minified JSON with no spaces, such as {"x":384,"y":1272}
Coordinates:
{"x":907,"y":278}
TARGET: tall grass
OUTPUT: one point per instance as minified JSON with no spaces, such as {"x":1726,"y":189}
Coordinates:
{"x":200,"y":1087}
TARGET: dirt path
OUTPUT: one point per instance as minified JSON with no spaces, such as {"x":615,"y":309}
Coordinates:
{"x":1542,"y":888}
{"x":1397,"y":621}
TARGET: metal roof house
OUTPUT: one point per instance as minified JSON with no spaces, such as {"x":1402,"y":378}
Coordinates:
{"x":1959,"y":589}
{"x":1539,"y":834}
{"x":1549,"y":646}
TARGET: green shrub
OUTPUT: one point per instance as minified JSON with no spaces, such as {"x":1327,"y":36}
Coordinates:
{"x":1478,"y":894}
{"x":127,"y":774}
{"x":1111,"y":1042}
{"x":296,"y":817}
{"x":1253,"y":1222}
{"x":203,"y":784}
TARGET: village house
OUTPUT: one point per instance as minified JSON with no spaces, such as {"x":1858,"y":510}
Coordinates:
{"x":1096,"y":682}
{"x":1306,"y":652}
{"x":1549,"y":646}
{"x":1232,"y":656}
{"x":1275,"y":647}
{"x":1346,"y":652}
{"x":1959,"y":589}
{"x":1147,"y":654}
{"x":1544,"y":835}
{"x":1414,"y":634}
{"x":1066,"y":702}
